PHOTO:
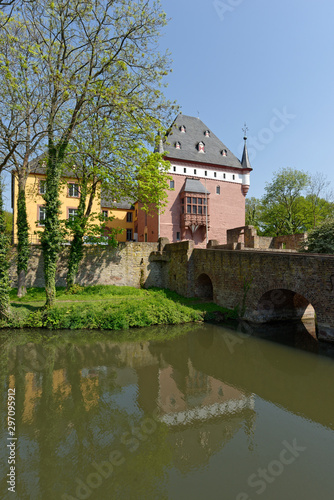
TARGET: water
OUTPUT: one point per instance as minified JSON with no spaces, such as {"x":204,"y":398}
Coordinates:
{"x":211,"y":414}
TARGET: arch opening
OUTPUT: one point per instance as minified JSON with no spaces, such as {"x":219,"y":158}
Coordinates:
{"x":280,"y":305}
{"x":203,"y":287}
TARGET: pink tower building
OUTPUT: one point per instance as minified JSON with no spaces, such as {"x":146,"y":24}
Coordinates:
{"x":209,"y":186}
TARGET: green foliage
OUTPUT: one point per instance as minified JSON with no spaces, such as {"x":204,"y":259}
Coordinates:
{"x":292,"y":204}
{"x":23,"y":247}
{"x":111,"y":308}
{"x":321,"y":238}
{"x":8,"y":223}
{"x":4,"y":265}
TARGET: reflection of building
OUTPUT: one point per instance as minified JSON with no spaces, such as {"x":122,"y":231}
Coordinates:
{"x":204,"y":398}
{"x":127,"y":383}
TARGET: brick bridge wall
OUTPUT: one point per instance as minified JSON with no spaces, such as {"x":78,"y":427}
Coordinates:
{"x":264,"y":286}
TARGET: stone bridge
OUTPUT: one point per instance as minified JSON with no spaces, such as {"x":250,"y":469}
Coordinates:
{"x":264,"y":285}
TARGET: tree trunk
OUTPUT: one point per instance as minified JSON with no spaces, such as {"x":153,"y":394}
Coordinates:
{"x":52,"y":236}
{"x":23,"y":247}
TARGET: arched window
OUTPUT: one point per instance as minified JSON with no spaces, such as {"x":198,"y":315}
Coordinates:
{"x":183,"y":129}
{"x":207,"y":133}
{"x":224,"y":152}
{"x":178,"y":145}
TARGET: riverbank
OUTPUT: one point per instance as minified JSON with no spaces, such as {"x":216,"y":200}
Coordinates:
{"x":104,"y":307}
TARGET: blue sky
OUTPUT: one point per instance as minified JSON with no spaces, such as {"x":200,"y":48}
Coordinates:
{"x":266,"y":63}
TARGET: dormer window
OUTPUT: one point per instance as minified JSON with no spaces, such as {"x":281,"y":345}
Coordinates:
{"x":183,"y":129}
{"x":178,"y":145}
{"x":201,"y":147}
{"x":207,"y":133}
{"x":224,"y":152}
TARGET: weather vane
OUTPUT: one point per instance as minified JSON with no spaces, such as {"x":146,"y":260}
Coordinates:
{"x":245,"y":130}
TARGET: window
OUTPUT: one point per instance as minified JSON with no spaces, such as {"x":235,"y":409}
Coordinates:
{"x":178,"y":236}
{"x":215,"y":174}
{"x":178,"y":145}
{"x":129,"y":217}
{"x":129,"y":235}
{"x":206,"y":172}
{"x":145,"y":238}
{"x":224,"y":176}
{"x":41,"y":215}
{"x":184,"y":170}
{"x":174,"y":169}
{"x":217,"y":189}
{"x":105,"y":213}
{"x":195,"y":171}
{"x":224,"y":152}
{"x":171,"y":184}
{"x":183,"y":129}
{"x":233,"y":177}
{"x":42,"y":187}
{"x":207,"y":133}
{"x":72,"y":213}
{"x":201,"y":147}
{"x":73,"y":190}
{"x":195,"y":206}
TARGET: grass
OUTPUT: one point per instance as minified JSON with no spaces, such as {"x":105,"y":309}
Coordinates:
{"x":103,"y":307}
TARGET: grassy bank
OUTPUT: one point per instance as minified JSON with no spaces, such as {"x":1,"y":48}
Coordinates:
{"x":109,"y":308}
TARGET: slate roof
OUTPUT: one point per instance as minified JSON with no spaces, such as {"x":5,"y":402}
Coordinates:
{"x":245,"y":159}
{"x":124,"y":203}
{"x":195,"y":133}
{"x":194,"y":186}
{"x":38,"y":166}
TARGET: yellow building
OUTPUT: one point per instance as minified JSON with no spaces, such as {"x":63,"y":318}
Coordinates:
{"x":69,"y":196}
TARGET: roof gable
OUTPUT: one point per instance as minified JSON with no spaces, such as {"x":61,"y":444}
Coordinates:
{"x":195,"y":133}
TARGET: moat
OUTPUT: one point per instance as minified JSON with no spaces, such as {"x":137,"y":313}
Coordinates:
{"x":212,"y":413}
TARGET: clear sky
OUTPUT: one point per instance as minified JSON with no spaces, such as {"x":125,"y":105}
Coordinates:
{"x":263,"y":62}
{"x":266,"y":63}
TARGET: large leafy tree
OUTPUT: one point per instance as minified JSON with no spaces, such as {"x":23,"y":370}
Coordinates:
{"x":294,"y":202}
{"x":22,"y":95}
{"x":107,"y":158}
{"x":93,"y":57}
{"x":283,"y":213}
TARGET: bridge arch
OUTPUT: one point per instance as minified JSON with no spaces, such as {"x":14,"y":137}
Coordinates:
{"x":204,"y":287}
{"x":280,"y":304}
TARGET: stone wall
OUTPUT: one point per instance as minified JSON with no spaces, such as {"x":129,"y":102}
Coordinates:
{"x":126,"y":265}
{"x":246,"y":237}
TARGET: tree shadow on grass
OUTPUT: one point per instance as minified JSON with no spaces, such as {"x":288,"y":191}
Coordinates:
{"x":29,"y":307}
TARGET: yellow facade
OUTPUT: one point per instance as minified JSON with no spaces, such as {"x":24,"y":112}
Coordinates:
{"x":69,"y":196}
{"x":123,"y":219}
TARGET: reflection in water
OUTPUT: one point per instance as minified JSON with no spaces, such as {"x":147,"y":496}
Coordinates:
{"x":121,"y":420}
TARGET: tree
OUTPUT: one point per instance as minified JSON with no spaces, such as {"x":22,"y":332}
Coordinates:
{"x":104,"y":49}
{"x":106,"y":156}
{"x":253,"y":212}
{"x":283,"y":208}
{"x":321,"y":238}
{"x":22,"y":95}
{"x":4,"y":265}
{"x":319,"y":199}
